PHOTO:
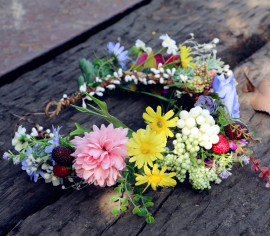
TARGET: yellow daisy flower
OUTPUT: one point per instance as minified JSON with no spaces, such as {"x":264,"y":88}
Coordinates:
{"x":185,"y":57}
{"x":160,"y":123}
{"x":156,"y":178}
{"x":145,"y":147}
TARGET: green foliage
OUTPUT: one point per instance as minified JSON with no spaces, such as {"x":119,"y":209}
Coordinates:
{"x":88,"y":70}
{"x":125,"y":188}
{"x":103,"y":113}
{"x":80,"y":81}
{"x":114,"y":198}
{"x":80,"y":130}
{"x":214,"y":64}
{"x":116,"y":210}
{"x":103,"y":67}
{"x":189,"y":72}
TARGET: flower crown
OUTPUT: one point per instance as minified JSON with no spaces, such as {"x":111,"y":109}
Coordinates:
{"x":200,"y":115}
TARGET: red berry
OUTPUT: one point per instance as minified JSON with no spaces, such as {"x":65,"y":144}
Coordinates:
{"x":236,"y":130}
{"x":61,"y":155}
{"x":222,"y":146}
{"x":61,"y":171}
{"x":171,"y":58}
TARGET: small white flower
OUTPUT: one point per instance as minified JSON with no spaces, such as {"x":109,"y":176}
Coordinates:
{"x":111,"y":86}
{"x":64,"y":96}
{"x":20,"y":139}
{"x":183,"y":78}
{"x":229,"y":73}
{"x":161,"y":80}
{"x":215,"y":40}
{"x":100,"y":89}
{"x":208,"y":46}
{"x":166,"y":76}
{"x":148,"y":50}
{"x":16,"y":160}
{"x":83,"y":88}
{"x":169,"y":43}
{"x":100,"y":94}
{"x":178,"y":94}
{"x":40,"y":128}
{"x":116,"y":82}
{"x":140,"y":44}
{"x":34,"y":132}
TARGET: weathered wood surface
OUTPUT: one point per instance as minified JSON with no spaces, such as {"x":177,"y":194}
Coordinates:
{"x":239,"y":206}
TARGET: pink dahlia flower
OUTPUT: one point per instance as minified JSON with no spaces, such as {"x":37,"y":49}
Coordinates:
{"x":100,"y":155}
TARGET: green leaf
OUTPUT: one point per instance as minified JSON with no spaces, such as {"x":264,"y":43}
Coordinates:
{"x":80,"y":130}
{"x":142,"y":211}
{"x":128,"y":186}
{"x":146,"y":199}
{"x":125,"y":173}
{"x":116,"y":210}
{"x":114,"y":198}
{"x":149,"y":204}
{"x":136,"y":210}
{"x":80,"y":81}
{"x":120,"y":181}
{"x":215,"y":96}
{"x":85,"y":110}
{"x":146,"y":93}
{"x":136,"y":198}
{"x":88,"y":70}
{"x":118,"y":189}
{"x":130,"y":169}
{"x":124,"y":201}
{"x":123,"y":208}
{"x":134,"y":49}
{"x":102,"y":105}
{"x":150,"y":219}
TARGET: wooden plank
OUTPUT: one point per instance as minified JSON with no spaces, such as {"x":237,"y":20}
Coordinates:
{"x":207,"y":19}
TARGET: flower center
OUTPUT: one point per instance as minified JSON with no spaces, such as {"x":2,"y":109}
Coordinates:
{"x":146,"y":148}
{"x":22,"y":139}
{"x":155,"y":178}
{"x":168,"y":42}
{"x":159,"y":124}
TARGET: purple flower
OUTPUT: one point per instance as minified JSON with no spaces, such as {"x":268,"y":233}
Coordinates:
{"x":118,"y":53}
{"x":245,"y":159}
{"x":227,"y":93}
{"x":244,"y":141}
{"x":28,"y":164}
{"x":225,"y":175}
{"x":208,"y":103}
{"x":6,"y":155}
{"x":232,"y":145}
{"x":55,"y":141}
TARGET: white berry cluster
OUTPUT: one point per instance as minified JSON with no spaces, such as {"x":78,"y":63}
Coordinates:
{"x":201,"y":176}
{"x":179,"y":164}
{"x":198,"y":126}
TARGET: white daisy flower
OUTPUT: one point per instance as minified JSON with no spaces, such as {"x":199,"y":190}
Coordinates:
{"x":169,"y":43}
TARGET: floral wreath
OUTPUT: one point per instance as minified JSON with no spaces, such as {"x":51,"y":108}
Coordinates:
{"x":207,"y":133}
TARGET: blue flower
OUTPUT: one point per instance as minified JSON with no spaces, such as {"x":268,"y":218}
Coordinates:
{"x":224,"y":175}
{"x":207,"y":103}
{"x":226,"y":90}
{"x":118,"y":53}
{"x":55,"y":141}
{"x":28,"y":164}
